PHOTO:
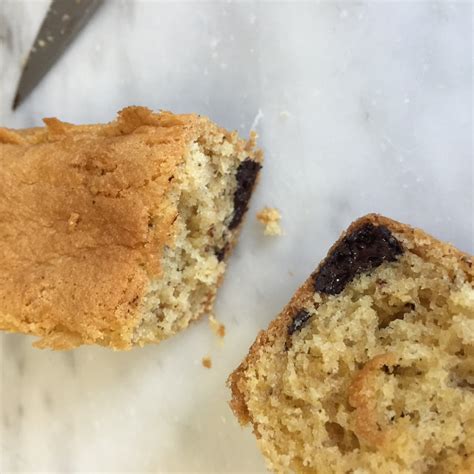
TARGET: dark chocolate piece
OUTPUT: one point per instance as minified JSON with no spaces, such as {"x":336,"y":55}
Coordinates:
{"x":299,"y":321}
{"x":246,"y":175}
{"x":364,"y":249}
{"x":220,"y":253}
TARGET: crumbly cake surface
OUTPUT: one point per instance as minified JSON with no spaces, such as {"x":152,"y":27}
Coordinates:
{"x":370,"y":367}
{"x":117,"y":234}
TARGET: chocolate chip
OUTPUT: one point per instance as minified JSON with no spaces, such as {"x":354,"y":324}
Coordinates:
{"x":299,"y":321}
{"x":220,"y":253}
{"x":246,"y":176}
{"x":363,"y":250}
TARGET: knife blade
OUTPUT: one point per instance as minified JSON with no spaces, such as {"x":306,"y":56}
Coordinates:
{"x":63,"y":21}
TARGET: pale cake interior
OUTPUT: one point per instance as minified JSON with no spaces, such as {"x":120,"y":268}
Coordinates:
{"x":379,"y":380}
{"x":194,"y":264}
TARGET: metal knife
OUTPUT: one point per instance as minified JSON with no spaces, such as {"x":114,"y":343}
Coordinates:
{"x":63,"y":21}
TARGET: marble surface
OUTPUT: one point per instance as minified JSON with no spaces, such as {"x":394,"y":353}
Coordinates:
{"x":360,"y":106}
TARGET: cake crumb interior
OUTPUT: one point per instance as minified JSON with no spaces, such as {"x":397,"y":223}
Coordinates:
{"x":380,"y":373}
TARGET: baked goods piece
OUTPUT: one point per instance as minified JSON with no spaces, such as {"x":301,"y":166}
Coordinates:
{"x":370,"y":367}
{"x":270,"y":218}
{"x":117,"y":234}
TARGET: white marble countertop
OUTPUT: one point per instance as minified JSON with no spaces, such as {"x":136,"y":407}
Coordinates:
{"x":360,"y":107}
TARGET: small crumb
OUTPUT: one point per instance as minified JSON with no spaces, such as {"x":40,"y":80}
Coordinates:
{"x":217,"y":328}
{"x":41,"y":43}
{"x":291,"y":273}
{"x":270,"y":218}
{"x":207,"y":362}
{"x":73,"y":220}
{"x":284,"y":114}
{"x":50,"y":38}
{"x":66,"y":17}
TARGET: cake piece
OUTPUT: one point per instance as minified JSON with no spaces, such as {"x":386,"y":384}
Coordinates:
{"x":118,"y":234}
{"x":370,"y":367}
{"x":270,"y":218}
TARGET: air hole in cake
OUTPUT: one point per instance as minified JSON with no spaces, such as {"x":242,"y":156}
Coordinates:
{"x":348,"y":342}
{"x":345,"y":440}
{"x":462,"y":375}
{"x":425,"y":296}
{"x":400,"y":371}
{"x":386,"y":318}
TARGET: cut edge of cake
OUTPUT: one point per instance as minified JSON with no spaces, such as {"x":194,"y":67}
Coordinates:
{"x":217,"y":181}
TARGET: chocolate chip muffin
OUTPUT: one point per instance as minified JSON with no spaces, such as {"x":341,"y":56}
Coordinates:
{"x":118,"y":234}
{"x":370,"y":367}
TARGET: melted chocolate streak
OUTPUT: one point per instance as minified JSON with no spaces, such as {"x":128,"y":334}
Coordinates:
{"x":246,"y":176}
{"x":359,"y":252}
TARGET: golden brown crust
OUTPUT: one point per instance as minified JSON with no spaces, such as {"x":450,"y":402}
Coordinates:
{"x":278,"y":329}
{"x":76,"y":247}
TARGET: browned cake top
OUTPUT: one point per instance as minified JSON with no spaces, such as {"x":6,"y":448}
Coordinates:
{"x":76,"y":244}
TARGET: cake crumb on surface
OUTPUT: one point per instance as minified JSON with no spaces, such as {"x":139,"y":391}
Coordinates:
{"x":207,"y":362}
{"x":217,"y":328}
{"x":270,"y":218}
